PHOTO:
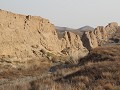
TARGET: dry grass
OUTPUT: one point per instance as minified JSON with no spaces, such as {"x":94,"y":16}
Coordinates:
{"x":100,"y":70}
{"x":97,"y":71}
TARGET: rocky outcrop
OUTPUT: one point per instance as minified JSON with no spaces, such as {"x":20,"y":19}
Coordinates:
{"x":100,"y":36}
{"x":89,"y":40}
{"x":22,"y":36}
{"x":111,"y":28}
{"x":73,"y":46}
{"x":104,"y":33}
{"x":95,"y":37}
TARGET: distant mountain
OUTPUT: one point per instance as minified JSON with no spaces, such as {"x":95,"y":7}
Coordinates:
{"x":61,"y":31}
{"x":63,"y":28}
{"x":86,"y":28}
{"x":79,"y":31}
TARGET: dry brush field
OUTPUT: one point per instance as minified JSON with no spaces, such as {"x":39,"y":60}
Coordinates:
{"x":100,"y":70}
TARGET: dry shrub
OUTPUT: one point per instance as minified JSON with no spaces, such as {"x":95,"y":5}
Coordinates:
{"x":108,"y":86}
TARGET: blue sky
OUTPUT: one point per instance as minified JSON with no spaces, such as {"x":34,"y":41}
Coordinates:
{"x":69,"y":13}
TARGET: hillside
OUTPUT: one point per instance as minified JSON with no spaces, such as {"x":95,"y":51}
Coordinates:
{"x":100,"y":70}
{"x":36,"y":56}
{"x":97,"y":71}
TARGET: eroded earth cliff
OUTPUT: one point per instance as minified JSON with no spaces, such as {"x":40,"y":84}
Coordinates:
{"x":26,"y":36}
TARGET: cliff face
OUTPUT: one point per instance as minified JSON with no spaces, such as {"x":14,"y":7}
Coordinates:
{"x":21,"y":36}
{"x":25,"y":36}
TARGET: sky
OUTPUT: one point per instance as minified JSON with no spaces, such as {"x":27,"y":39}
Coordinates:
{"x":68,"y":13}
